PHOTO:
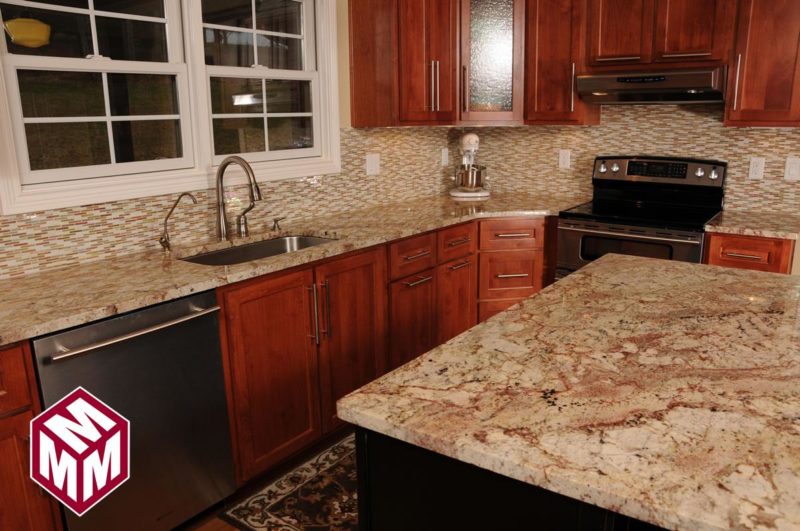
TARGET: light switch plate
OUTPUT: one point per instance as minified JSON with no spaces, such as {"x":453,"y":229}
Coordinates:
{"x":373,"y":164}
{"x":757,"y":165}
{"x":564,"y":159}
{"x":792,"y":172}
{"x":445,"y":157}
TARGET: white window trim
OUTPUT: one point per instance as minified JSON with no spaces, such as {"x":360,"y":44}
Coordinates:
{"x":16,"y":198}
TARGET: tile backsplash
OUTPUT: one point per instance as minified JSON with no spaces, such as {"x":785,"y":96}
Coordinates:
{"x":520,"y":159}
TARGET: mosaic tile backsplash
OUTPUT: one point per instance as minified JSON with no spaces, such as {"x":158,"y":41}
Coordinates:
{"x":518,"y":159}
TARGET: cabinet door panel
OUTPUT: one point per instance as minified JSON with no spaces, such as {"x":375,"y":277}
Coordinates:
{"x":353,"y":325}
{"x":412,"y":317}
{"x":457,"y":242}
{"x":415,"y":63}
{"x":457,"y":306}
{"x":274,"y":374}
{"x":747,"y":252}
{"x":442,"y":49}
{"x":620,"y":32}
{"x":510,"y":274}
{"x":14,"y":392}
{"x":693,"y":30}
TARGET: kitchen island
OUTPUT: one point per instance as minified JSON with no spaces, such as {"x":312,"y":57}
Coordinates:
{"x":662,"y":391}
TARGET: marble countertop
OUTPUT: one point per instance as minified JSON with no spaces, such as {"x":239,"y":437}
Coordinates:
{"x":666,"y":391}
{"x":58,"y":299}
{"x":760,"y":223}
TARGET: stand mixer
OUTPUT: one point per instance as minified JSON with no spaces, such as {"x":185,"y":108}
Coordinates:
{"x":469,"y":177}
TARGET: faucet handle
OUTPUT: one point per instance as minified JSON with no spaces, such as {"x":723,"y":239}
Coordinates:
{"x":276,"y":223}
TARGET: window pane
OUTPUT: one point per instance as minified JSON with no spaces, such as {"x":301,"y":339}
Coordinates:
{"x":130,"y":40}
{"x":282,"y":53}
{"x":70,"y":34}
{"x":147,"y":8}
{"x":288,"y":96}
{"x":67,"y":145}
{"x":147,"y":140}
{"x":228,"y":48}
{"x":238,"y":13}
{"x":139,"y":94}
{"x":235,"y":95}
{"x":284,"y":16}
{"x":44,"y":93}
{"x":238,"y":135}
{"x":290,"y":133}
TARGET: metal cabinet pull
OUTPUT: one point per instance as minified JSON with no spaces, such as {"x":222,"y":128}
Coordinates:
{"x":315,"y":304}
{"x":459,"y":266}
{"x":698,"y":54}
{"x":572,"y":91}
{"x":329,"y":327}
{"x":736,"y":86}
{"x":464,"y":95}
{"x":433,"y":85}
{"x":743,"y":256}
{"x":628,"y":58}
{"x":514,"y":275}
{"x":514,"y":235}
{"x":416,"y":283}
{"x":416,"y":256}
{"x":456,"y":243}
{"x":438,"y":87}
{"x":66,"y":354}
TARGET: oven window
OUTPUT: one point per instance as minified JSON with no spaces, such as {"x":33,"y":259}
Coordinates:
{"x":593,"y":247}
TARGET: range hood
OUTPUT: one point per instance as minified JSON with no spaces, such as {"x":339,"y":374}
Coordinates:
{"x":688,"y":86}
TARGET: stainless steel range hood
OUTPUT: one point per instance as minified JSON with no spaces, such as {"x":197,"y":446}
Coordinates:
{"x":692,"y":86}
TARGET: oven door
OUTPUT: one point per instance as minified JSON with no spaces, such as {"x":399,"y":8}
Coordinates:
{"x":579,"y":243}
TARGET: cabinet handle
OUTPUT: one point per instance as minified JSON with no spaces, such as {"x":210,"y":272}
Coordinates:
{"x":456,"y":243}
{"x":416,"y":283}
{"x":416,"y":256}
{"x":514,"y":275}
{"x":433,"y":85}
{"x":329,"y":327}
{"x":572,"y":91}
{"x":697,"y":54}
{"x":514,"y":235}
{"x":736,"y":86}
{"x":628,"y":58}
{"x":459,"y":266}
{"x":438,"y":87}
{"x":315,"y":304}
{"x":743,"y":256}
{"x":464,"y":95}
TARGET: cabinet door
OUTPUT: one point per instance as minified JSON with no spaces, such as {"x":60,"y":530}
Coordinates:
{"x":492,"y":64}
{"x":268,"y":330}
{"x":353,"y":311}
{"x":749,"y":252}
{"x":23,"y":506}
{"x":764,"y":82}
{"x":620,"y":32}
{"x":457,"y":297}
{"x":443,"y":53}
{"x":412,"y":317}
{"x":694,"y":30}
{"x":555,"y":41}
{"x":510,"y":274}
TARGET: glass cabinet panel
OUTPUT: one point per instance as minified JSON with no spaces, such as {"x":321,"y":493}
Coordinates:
{"x":491,"y":81}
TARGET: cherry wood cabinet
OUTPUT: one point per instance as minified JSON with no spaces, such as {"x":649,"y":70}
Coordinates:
{"x":621,"y":32}
{"x":412,"y":255}
{"x":554,"y":54}
{"x":353,"y":310}
{"x":750,"y":252}
{"x":412,"y":317}
{"x":457,"y":297}
{"x":764,"y":74}
{"x":693,"y":30}
{"x":457,"y":241}
{"x":510,"y":274}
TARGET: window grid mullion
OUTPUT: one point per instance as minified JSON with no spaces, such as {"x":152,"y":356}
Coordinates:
{"x":83,"y":11}
{"x":93,"y":27}
{"x":109,"y":128}
{"x":253,"y":32}
{"x":266,"y":122}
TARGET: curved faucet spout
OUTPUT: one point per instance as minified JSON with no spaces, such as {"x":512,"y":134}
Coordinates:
{"x":255,"y":195}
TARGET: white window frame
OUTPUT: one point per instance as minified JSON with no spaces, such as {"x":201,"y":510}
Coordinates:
{"x":16,"y":198}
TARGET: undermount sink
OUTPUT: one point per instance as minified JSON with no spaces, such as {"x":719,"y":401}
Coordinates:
{"x":255,"y":251}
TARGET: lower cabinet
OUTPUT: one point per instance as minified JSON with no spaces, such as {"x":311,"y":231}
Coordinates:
{"x":412,"y":317}
{"x":750,"y":252}
{"x":456,"y":298}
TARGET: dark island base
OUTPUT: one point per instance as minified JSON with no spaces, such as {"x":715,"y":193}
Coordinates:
{"x":402,"y":487}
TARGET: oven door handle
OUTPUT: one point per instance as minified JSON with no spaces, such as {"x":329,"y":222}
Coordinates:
{"x":633,"y":236}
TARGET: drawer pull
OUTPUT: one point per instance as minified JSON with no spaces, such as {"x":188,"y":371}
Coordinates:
{"x":459,"y":266}
{"x":514,"y":235}
{"x":743,"y":256}
{"x":455,"y":243}
{"x":514,"y":275}
{"x":416,"y":283}
{"x":423,"y":254}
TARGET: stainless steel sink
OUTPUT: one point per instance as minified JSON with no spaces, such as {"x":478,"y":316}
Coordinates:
{"x":254,"y":251}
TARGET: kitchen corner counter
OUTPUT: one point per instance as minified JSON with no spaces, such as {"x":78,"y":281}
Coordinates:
{"x":47,"y":302}
{"x":762,"y":224}
{"x":665,"y":391}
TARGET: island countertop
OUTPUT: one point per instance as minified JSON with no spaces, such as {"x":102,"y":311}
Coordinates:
{"x":665,"y":391}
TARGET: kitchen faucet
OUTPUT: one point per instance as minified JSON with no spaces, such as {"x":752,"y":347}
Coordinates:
{"x":164,"y":240}
{"x":255,"y":195}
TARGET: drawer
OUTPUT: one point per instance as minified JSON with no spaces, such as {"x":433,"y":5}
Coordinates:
{"x":491,"y":308}
{"x":412,"y":255}
{"x":15,"y":393}
{"x":749,"y":252}
{"x":510,"y":274}
{"x":512,"y":234}
{"x":457,"y":242}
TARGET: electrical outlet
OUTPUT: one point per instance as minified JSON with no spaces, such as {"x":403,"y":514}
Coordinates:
{"x":564,"y":159}
{"x":757,"y":165}
{"x":792,"y":172}
{"x":445,"y":157}
{"x":373,"y":164}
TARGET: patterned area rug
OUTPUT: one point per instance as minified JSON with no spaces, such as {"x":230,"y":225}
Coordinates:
{"x":318,"y":495}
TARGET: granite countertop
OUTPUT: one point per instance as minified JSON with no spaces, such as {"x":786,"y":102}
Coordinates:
{"x":752,"y":223}
{"x":666,"y":391}
{"x":58,"y":299}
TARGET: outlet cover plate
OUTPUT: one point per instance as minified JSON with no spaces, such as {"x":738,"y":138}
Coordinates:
{"x":757,"y":165}
{"x":564,"y":159}
{"x":792,"y":172}
{"x":445,"y":157}
{"x":373,"y":164}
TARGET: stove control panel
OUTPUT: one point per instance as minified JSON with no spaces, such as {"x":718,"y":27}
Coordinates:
{"x":663,"y":170}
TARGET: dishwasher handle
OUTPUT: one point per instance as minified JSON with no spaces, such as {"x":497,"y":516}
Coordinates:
{"x":66,"y":354}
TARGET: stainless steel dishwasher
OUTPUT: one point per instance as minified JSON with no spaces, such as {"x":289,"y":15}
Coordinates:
{"x":160,"y":367}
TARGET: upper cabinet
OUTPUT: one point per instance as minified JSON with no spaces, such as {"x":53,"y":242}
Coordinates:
{"x":492,"y":65}
{"x":620,"y":32}
{"x":693,"y":30}
{"x":764,"y":75}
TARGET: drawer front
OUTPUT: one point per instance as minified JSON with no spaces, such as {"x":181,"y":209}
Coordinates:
{"x":747,"y":252}
{"x":512,"y":234}
{"x":511,"y":274}
{"x":491,"y":308}
{"x":14,"y":391}
{"x":412,"y":255}
{"x":457,"y":242}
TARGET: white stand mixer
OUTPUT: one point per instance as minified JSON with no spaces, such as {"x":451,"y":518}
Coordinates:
{"x":469,"y":177}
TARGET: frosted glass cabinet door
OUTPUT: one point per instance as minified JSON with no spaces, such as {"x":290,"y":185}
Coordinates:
{"x":492,"y":65}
